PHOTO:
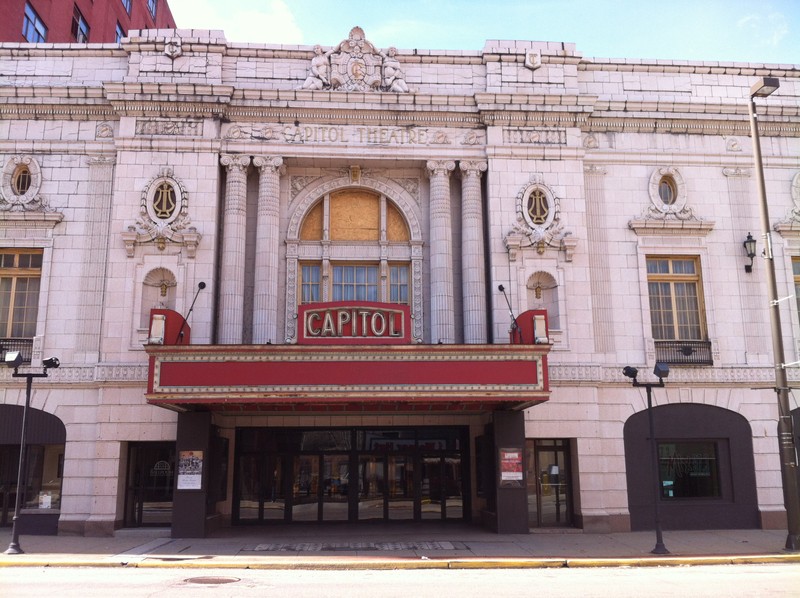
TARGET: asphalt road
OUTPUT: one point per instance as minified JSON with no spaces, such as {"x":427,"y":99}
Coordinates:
{"x":654,"y":582}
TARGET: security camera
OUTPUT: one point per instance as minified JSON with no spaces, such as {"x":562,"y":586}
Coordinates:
{"x":13,"y":359}
{"x":661,"y":370}
{"x":51,"y":363}
{"x":630,"y":372}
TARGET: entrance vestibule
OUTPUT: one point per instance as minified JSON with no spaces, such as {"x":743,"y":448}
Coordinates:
{"x":356,"y":474}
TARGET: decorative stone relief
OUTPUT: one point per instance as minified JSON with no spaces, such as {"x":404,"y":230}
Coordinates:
{"x":791,"y":224}
{"x":187,"y":128}
{"x":732,"y":144}
{"x":538,"y":222}
{"x":355,"y":65}
{"x":590,"y":141}
{"x":20,"y":186}
{"x":103,"y":130}
{"x":173,"y":49}
{"x":533,"y":59}
{"x":163,"y":217}
{"x":668,"y":207}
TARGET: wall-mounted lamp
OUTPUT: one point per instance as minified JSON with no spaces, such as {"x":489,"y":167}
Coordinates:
{"x":750,"y":250}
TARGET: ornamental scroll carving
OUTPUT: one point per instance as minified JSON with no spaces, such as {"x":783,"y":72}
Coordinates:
{"x":355,"y":65}
{"x":163,"y":217}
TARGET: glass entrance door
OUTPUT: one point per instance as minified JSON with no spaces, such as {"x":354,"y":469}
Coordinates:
{"x":549,"y":487}
{"x":355,"y":474}
{"x":151,"y":470}
{"x":371,"y":487}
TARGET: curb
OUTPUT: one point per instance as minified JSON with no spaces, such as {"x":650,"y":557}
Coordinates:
{"x":415,"y":563}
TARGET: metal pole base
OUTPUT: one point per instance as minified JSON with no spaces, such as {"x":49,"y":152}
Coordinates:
{"x":659,"y":549}
{"x":14,"y":548}
{"x":792,"y":543}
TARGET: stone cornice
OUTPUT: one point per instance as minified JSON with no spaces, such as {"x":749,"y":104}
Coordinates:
{"x":701,"y":68}
{"x":377,"y":117}
{"x":700,"y":126}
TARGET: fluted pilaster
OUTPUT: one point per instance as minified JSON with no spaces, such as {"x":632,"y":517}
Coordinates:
{"x":231,"y":297}
{"x":441,"y":258}
{"x":265,"y":294}
{"x":473,"y":276}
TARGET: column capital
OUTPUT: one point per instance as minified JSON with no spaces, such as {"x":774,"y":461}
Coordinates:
{"x":594,"y":169}
{"x":266,"y":162}
{"x":440,"y":167}
{"x":232,"y":161}
{"x":472,"y":167}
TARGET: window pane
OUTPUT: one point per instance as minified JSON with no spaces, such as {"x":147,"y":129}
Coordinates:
{"x":688,"y":469}
{"x":19,"y":293}
{"x":675,"y":301}
{"x":310,"y":283}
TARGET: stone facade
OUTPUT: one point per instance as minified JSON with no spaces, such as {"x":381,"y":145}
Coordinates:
{"x":524,"y":164}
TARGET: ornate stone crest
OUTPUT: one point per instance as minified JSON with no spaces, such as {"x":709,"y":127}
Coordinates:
{"x":355,"y":65}
{"x":538,"y":221}
{"x":163,"y":216}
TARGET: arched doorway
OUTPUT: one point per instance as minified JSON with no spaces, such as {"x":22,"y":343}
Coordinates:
{"x":706,"y":469}
{"x":44,"y":469}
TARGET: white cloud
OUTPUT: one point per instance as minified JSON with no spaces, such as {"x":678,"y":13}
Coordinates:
{"x":252,"y":21}
{"x":767,"y":31}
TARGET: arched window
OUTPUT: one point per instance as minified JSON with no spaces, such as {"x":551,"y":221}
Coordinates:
{"x":370,"y":254}
{"x":21,"y":180}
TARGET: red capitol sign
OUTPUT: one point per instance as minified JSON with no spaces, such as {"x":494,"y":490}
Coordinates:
{"x":347,"y":322}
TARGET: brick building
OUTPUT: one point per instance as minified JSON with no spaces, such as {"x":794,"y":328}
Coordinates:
{"x":80,"y":21}
{"x":343,"y":282}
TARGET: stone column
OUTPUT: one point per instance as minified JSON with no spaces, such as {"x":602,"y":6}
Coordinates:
{"x":441,"y":248}
{"x":265,"y":293}
{"x":231,"y":295}
{"x":600,"y":248}
{"x":473,"y":266}
{"x":93,"y":272}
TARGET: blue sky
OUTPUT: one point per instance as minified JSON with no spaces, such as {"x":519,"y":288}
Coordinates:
{"x":761,"y":31}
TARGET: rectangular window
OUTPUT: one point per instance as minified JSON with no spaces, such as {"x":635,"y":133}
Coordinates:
{"x":33,"y":29}
{"x":127,"y":5}
{"x":359,"y":282}
{"x":355,"y":283}
{"x":398,"y":284}
{"x":688,"y":469}
{"x":675,"y":300}
{"x":120,"y":33}
{"x":151,"y":5}
{"x":80,"y":28}
{"x":310,"y":284}
{"x":20,"y":276}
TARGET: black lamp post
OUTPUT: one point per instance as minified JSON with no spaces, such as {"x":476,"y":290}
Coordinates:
{"x":14,"y":360}
{"x":661,"y":371}
{"x":787,"y":453}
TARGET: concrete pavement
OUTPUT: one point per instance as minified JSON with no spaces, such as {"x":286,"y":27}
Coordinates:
{"x":383,"y":546}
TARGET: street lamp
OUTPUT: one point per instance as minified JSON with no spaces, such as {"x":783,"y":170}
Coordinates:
{"x":14,"y":360}
{"x":661,"y":371}
{"x":787,"y":453}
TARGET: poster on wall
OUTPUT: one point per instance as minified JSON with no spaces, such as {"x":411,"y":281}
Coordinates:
{"x":511,"y":467}
{"x":190,"y":470}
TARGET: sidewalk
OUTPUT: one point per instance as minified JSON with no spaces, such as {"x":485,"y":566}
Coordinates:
{"x":394,"y":547}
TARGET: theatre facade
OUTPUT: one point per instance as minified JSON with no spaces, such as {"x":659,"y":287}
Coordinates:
{"x":351,"y":283}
